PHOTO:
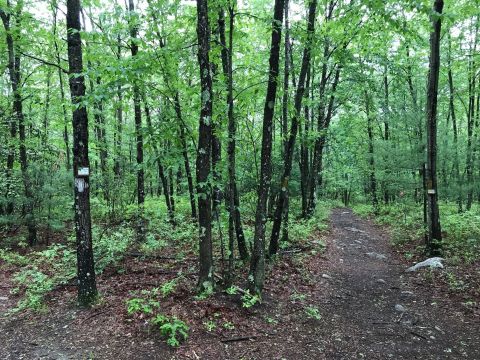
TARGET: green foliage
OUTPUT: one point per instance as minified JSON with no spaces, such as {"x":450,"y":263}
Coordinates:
{"x":313,"y":313}
{"x":168,"y":287}
{"x":249,"y":300}
{"x":147,"y":306}
{"x":54,"y":266}
{"x":140,"y":305}
{"x":461,"y":232}
{"x":210,"y":325}
{"x":173,"y":328}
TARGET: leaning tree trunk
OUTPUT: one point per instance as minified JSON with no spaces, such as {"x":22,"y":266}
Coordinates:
{"x":161,"y":170}
{"x":433,"y":218}
{"x":205,"y":278}
{"x":277,"y":221}
{"x":186,"y":161}
{"x":235,"y":223}
{"x":257,"y":264}
{"x":87,"y":290}
{"x":138,"y":128}
{"x":454,"y":127}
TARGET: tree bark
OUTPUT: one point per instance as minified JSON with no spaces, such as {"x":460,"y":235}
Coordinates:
{"x":256,"y":276}
{"x":433,"y":217}
{"x":161,"y":171}
{"x":205,"y":278}
{"x":138,"y":128}
{"x":87,"y":290}
{"x":470,"y":161}
{"x":453,"y":116}
{"x":371,"y":154}
{"x":186,"y":161}
{"x":277,"y":221}
{"x":16,"y":84}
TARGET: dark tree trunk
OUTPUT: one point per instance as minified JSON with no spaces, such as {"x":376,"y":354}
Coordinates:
{"x":119,"y":125}
{"x":472,"y":75}
{"x":257,"y":264}
{"x":386,"y":137}
{"x":87,"y":290}
{"x":12,"y":123}
{"x":186,"y":161}
{"x":161,"y":170}
{"x":371,"y":154}
{"x":205,"y":278}
{"x":138,"y":128}
{"x":322,"y":125}
{"x":235,"y":223}
{"x":16,"y":83}
{"x":304,"y":156}
{"x":322,"y":128}
{"x":277,"y":221}
{"x":433,"y":216}
{"x":454,"y":127}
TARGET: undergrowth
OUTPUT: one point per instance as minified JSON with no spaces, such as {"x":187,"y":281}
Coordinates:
{"x":461,"y":231}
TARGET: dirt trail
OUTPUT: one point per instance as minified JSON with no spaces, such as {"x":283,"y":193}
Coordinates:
{"x":370,"y":309}
{"x":378,"y":311}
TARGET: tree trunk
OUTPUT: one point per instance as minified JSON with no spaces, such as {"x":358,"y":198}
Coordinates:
{"x":433,"y":217}
{"x":117,"y":167}
{"x":87,"y":290}
{"x":138,"y":127}
{"x":371,"y":154}
{"x":205,"y":278}
{"x":186,"y":161}
{"x":472,"y":75}
{"x":454,"y":126}
{"x":257,"y":264}
{"x":16,"y":84}
{"x":161,"y":170}
{"x":386,"y":136}
{"x":277,"y":221}
{"x":235,"y":223}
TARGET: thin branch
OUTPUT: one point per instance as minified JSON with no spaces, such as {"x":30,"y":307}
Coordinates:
{"x":44,"y":62}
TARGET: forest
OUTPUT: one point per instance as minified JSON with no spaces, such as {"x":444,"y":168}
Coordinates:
{"x":232,"y":179}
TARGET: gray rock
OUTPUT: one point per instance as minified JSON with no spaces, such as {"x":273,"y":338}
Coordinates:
{"x":354,"y":230}
{"x":400,"y":308}
{"x":326,"y":276}
{"x":434,"y":262}
{"x":3,"y":298}
{"x":376,"y":256}
{"x":381,"y":281}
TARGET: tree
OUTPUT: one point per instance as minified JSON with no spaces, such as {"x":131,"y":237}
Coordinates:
{"x":14,"y":61}
{"x":277,"y":221}
{"x":87,"y":289}
{"x":205,"y":279}
{"x":433,"y":216}
{"x":257,"y":263}
{"x":133,"y":23}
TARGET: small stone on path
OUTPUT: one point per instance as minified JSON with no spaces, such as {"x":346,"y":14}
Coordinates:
{"x":375,"y":255}
{"x":434,"y":262}
{"x":400,"y":308}
{"x":326,"y":276}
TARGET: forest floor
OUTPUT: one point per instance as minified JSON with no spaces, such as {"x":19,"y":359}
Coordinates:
{"x":352,"y":301}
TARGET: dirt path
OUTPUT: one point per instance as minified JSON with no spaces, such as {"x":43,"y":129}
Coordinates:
{"x":377,"y":311}
{"x":370,"y":309}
